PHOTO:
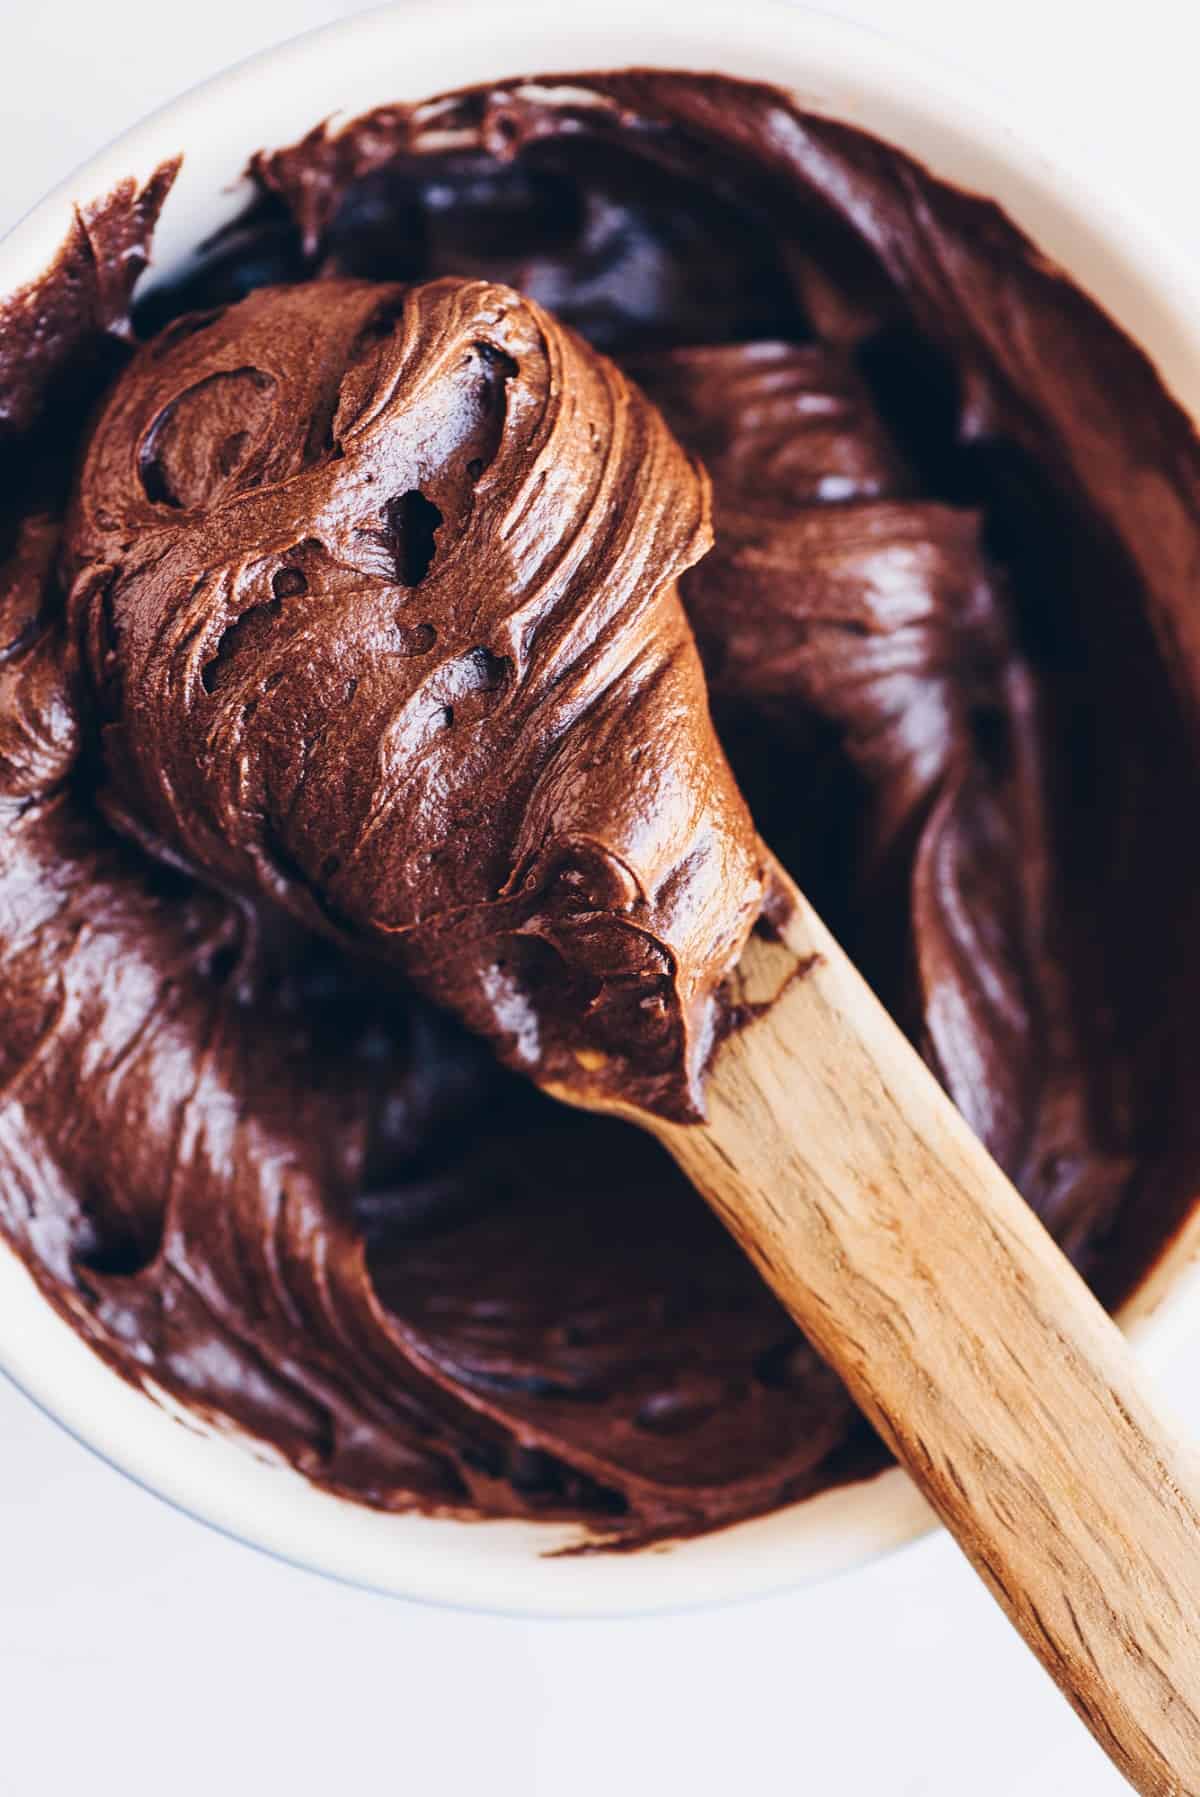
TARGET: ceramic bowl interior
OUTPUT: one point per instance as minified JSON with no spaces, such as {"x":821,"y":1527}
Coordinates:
{"x":980,"y":141}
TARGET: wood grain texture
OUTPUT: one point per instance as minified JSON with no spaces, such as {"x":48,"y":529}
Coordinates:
{"x":1013,"y":1400}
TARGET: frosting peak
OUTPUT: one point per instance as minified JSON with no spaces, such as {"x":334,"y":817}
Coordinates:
{"x":377,"y":588}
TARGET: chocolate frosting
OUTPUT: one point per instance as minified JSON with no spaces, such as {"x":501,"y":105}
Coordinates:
{"x":948,"y":631}
{"x":377,"y":591}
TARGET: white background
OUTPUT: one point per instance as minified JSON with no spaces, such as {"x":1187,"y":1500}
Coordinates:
{"x":142,"y":1654}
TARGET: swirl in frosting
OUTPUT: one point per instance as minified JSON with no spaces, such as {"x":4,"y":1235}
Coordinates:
{"x":378,"y":592}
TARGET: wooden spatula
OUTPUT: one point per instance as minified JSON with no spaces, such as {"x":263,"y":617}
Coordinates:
{"x":970,"y":1342}
{"x":899,"y":1248}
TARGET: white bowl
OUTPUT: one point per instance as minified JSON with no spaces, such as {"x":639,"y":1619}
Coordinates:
{"x":408,"y":52}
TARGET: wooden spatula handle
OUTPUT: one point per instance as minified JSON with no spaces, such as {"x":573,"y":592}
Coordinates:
{"x":1015,"y":1403}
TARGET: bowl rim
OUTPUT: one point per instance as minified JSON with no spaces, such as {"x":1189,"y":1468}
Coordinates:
{"x":961,"y":129}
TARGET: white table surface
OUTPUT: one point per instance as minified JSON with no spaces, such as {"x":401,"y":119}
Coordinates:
{"x":142,"y":1654}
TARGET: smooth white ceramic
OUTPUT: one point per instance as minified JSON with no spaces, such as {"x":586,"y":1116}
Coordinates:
{"x":408,"y":51}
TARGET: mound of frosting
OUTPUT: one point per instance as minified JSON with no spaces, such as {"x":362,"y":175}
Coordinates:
{"x":377,"y":588}
{"x":949,"y":631}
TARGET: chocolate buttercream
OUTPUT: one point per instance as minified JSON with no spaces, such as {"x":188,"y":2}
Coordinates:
{"x":377,"y":588}
{"x":946,"y":625}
